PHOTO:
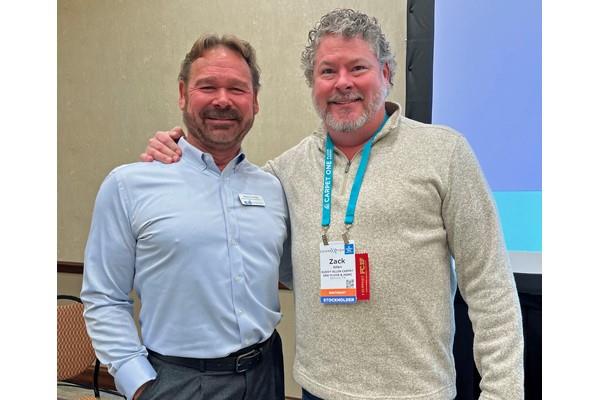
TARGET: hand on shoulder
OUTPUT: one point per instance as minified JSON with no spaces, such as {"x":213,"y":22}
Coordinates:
{"x":163,"y":146}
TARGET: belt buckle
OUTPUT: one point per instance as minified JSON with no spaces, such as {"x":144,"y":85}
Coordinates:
{"x":246,"y":356}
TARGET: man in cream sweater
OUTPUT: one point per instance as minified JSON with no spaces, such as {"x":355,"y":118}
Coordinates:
{"x":379,"y":206}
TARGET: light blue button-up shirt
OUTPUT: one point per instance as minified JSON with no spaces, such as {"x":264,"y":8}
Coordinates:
{"x":204,"y":265}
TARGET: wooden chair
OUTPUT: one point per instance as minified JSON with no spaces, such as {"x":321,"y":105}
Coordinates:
{"x":74,"y":348}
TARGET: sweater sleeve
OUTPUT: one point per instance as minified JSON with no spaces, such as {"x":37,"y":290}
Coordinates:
{"x":484,"y":276}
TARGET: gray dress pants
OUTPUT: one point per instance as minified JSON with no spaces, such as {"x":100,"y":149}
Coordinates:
{"x":263,"y":382}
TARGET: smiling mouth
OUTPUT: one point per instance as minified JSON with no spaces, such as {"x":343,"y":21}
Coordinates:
{"x":343,"y":102}
{"x":220,"y":115}
{"x":221,"y":123}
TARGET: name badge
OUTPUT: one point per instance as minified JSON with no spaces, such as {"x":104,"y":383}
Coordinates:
{"x":338,"y":273}
{"x":252,"y":200}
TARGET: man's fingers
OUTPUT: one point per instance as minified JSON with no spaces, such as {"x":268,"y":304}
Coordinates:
{"x":158,"y":156}
{"x":163,"y":143}
{"x":170,"y":138}
{"x":176,"y":133}
{"x":163,"y":147}
{"x":161,"y":152}
{"x":146,"y":157}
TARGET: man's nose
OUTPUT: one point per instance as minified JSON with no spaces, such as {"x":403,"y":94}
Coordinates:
{"x":344,"y":81}
{"x":221,"y":99}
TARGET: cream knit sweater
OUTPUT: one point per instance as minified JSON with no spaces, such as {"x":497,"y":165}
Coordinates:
{"x":423,"y":201}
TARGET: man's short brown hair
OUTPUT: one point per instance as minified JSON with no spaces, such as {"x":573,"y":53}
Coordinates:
{"x":232,"y":42}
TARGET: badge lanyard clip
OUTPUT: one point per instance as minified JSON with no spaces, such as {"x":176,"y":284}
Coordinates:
{"x":324,"y":235}
{"x":346,"y":234}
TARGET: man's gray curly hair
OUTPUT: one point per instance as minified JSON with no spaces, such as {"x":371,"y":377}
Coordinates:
{"x":347,"y":23}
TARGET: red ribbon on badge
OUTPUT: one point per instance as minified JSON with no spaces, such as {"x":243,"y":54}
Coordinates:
{"x":363,"y":282}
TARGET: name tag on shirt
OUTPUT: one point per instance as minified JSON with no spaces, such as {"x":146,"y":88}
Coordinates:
{"x":252,"y":200}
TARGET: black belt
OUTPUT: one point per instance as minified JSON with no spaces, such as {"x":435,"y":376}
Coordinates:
{"x":238,"y":362}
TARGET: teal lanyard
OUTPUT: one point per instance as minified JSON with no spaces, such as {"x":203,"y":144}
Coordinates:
{"x":328,"y":181}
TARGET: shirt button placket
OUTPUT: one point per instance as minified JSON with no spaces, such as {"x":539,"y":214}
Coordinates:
{"x":235,"y":258}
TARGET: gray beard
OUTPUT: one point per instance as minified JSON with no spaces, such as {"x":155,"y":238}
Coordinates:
{"x":345,"y":126}
{"x":350,"y":126}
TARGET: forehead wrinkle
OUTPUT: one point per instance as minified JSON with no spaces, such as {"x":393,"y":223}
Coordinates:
{"x":220,"y":62}
{"x":326,"y":60}
{"x":213,"y":79}
{"x":342,"y":58}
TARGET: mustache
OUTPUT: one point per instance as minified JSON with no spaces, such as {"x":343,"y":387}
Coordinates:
{"x":218,"y":113}
{"x":345,"y":97}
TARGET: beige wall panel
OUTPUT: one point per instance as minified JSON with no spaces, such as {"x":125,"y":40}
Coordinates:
{"x":69,"y":284}
{"x":117,"y":84}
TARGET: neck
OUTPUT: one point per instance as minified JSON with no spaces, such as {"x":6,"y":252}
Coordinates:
{"x":350,"y":143}
{"x":221,"y":157}
{"x":223,"y":160}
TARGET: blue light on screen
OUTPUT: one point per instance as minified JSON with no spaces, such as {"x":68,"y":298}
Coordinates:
{"x":487,"y":85}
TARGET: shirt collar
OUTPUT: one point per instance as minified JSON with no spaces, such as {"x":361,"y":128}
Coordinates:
{"x":203,"y":160}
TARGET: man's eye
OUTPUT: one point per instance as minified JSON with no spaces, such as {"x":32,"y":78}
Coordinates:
{"x":359,"y":68}
{"x":327,"y":71}
{"x":237,"y":90}
{"x":207,"y":88}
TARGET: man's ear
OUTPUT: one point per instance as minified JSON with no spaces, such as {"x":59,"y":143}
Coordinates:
{"x":256,"y":107}
{"x":182,"y":95}
{"x":386,"y":72}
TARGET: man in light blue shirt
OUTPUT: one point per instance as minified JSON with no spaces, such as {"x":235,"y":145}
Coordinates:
{"x":200,"y":241}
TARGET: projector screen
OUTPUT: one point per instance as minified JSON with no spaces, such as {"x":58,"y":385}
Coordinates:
{"x":487,"y":85}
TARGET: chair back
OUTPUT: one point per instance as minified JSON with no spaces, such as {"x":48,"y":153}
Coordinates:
{"x":74,"y":347}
